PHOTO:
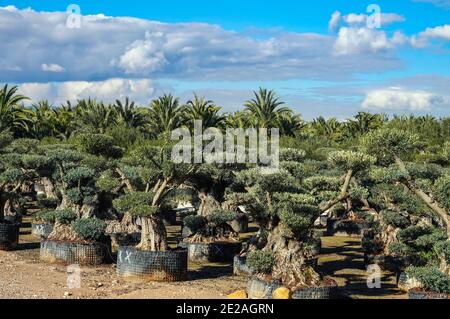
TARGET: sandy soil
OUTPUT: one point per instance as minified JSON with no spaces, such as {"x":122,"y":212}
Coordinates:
{"x":343,"y":259}
{"x":22,"y":275}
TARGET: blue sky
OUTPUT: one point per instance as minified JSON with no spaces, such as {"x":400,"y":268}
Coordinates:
{"x":226,"y":49}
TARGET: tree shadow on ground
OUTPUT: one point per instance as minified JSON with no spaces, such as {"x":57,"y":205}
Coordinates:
{"x":28,"y":246}
{"x":344,"y":261}
{"x":210,"y":271}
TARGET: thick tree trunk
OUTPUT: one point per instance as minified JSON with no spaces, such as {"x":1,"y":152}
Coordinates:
{"x":343,"y":194}
{"x":290,"y":255}
{"x":208,"y":204}
{"x":49,"y":188}
{"x":423,"y":196}
{"x":8,"y":208}
{"x":153,"y":235}
{"x":86,"y":211}
{"x":65,"y":202}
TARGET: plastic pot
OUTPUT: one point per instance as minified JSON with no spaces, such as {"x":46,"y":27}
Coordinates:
{"x":86,"y":254}
{"x":9,"y":236}
{"x":152,"y":265}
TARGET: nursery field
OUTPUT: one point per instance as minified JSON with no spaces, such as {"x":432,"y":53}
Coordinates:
{"x":118,"y":209}
{"x":23,"y":275}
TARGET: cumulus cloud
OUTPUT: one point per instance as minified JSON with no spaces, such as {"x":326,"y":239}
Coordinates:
{"x":352,"y":41}
{"x":439,"y":32}
{"x":140,"y":90}
{"x":334,"y":21}
{"x":52,"y":67}
{"x":422,"y":40}
{"x":122,"y":47}
{"x":395,"y":98}
{"x":144,"y":55}
{"x":353,"y":19}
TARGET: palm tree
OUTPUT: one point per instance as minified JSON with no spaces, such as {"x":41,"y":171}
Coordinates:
{"x":239,"y":119}
{"x":165,"y":115}
{"x":43,"y":120}
{"x":205,"y":110}
{"x":265,"y":107}
{"x":363,"y":123}
{"x":94,"y":116}
{"x":290,"y":124}
{"x":13,"y":116}
{"x":129,"y":115}
{"x":65,"y":121}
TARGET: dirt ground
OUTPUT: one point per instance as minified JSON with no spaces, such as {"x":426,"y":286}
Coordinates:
{"x":22,"y":275}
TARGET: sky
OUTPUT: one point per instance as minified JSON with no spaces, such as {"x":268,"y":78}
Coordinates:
{"x":323,"y":58}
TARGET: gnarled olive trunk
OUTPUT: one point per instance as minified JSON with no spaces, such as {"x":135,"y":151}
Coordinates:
{"x":49,"y":188}
{"x":343,"y":194}
{"x":153,"y":234}
{"x":430,"y":202}
{"x":290,"y":255}
{"x":208,"y":204}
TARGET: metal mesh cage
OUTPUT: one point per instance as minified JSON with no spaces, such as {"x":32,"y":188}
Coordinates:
{"x":75,"y":253}
{"x":417,"y":294}
{"x":240,"y":266}
{"x":152,"y":265}
{"x":213,"y":252}
{"x":9,"y":236}
{"x":41,"y":230}
{"x":322,"y":292}
{"x":261,"y":289}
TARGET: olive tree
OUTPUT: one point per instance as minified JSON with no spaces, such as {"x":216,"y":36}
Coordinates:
{"x":285,"y":213}
{"x":147,"y":180}
{"x":21,"y":163}
{"x":351,"y":163}
{"x":395,"y":146}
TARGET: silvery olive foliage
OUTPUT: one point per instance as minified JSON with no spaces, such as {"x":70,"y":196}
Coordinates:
{"x":98,"y":162}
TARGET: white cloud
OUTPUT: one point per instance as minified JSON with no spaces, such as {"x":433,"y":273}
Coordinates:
{"x":144,"y":55}
{"x":9,"y":8}
{"x":52,"y":67}
{"x":141,"y":90}
{"x":422,"y":39}
{"x":334,"y":21}
{"x":352,"y":41}
{"x":395,"y":98}
{"x":353,"y":19}
{"x":439,"y":32}
{"x":122,"y":47}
